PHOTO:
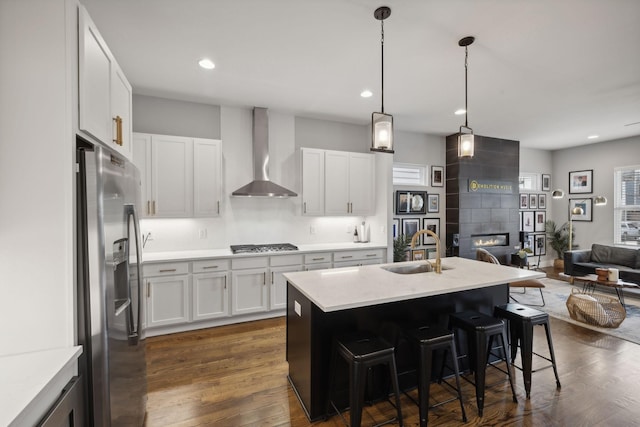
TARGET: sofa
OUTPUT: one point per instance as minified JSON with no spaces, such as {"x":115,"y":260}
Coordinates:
{"x":582,"y":262}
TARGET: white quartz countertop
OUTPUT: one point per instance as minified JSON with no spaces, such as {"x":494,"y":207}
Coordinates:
{"x":226,"y":253}
{"x":353,"y":287}
{"x":23,"y":377}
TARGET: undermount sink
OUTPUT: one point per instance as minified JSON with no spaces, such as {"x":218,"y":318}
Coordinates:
{"x":410,"y":269}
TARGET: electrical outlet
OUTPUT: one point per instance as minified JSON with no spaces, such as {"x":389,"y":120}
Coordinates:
{"x":203,"y":233}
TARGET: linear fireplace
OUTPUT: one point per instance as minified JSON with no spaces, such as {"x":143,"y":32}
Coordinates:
{"x":486,"y":240}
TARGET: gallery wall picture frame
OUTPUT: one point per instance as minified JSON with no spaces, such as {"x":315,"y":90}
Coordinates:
{"x":395,"y":225}
{"x":587,"y":208}
{"x":524,"y":201}
{"x":433,"y":203}
{"x":411,"y":202}
{"x":437,"y":176}
{"x":528,"y":221}
{"x":540,"y":246}
{"x":520,"y":221}
{"x":530,"y":242}
{"x":542,"y":201}
{"x":432,"y":224}
{"x":546,"y":182}
{"x":533,"y":201}
{"x":540,"y":218}
{"x":581,"y":182}
{"x":418,"y":254}
{"x":410,"y":226}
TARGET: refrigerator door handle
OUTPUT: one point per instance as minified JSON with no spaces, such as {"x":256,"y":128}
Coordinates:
{"x":134,"y":334}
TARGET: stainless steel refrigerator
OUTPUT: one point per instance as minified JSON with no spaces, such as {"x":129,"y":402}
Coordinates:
{"x":109,"y":293}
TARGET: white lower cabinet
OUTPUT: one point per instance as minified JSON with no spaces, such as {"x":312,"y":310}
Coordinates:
{"x":167,"y":300}
{"x":279,"y":265}
{"x":249,"y":290}
{"x":358,"y":257}
{"x":210,"y":296}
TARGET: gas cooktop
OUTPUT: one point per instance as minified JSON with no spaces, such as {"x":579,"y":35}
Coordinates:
{"x":272,"y":247}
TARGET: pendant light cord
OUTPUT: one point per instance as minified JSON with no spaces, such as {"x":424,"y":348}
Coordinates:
{"x":466,"y":66}
{"x":382,"y":63}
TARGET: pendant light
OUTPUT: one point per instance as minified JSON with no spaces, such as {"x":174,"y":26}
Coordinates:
{"x":466,"y":140}
{"x":381,"y":123}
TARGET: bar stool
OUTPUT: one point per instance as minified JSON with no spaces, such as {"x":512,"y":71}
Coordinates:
{"x":481,"y":329}
{"x":429,"y":339}
{"x":362,"y":351}
{"x":522,"y":319}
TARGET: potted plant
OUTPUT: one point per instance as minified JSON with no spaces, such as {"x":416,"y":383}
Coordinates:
{"x":558,"y":239}
{"x":400,"y":244}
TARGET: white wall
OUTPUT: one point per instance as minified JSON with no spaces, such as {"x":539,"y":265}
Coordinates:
{"x":427,"y":150}
{"x":540,"y":162}
{"x":36,"y":176}
{"x":602,"y":158}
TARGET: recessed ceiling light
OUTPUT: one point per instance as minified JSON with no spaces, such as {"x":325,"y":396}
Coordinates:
{"x":207,"y":64}
{"x":366,"y":93}
{"x":460,"y":112}
{"x":593,"y":136}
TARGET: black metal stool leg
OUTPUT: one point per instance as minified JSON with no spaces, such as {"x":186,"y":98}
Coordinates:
{"x":396,"y":387}
{"x":503,"y":338}
{"x":479,"y":367}
{"x":552,"y":354}
{"x":454,"y":356}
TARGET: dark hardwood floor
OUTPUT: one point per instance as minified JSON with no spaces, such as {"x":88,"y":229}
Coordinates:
{"x":237,"y":376}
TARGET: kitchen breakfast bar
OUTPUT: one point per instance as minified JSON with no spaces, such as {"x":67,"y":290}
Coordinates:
{"x":323,"y":303}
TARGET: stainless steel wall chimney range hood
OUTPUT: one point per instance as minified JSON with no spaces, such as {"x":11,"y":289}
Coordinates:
{"x":261,"y":186}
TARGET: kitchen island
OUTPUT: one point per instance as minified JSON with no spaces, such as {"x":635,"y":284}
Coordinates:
{"x":323,"y":303}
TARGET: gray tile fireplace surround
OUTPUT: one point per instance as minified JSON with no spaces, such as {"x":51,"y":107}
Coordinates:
{"x":484,"y":211}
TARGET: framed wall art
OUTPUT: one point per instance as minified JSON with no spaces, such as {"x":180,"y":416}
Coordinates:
{"x":542,"y":201}
{"x":418,"y":255}
{"x":587,"y":207}
{"x":524,"y":201}
{"x":533,"y":201}
{"x":581,"y":182}
{"x":546,"y":182}
{"x":411,"y":202}
{"x":432,"y":224}
{"x":528,"y":223}
{"x":540,"y":247}
{"x":433,"y":203}
{"x":541,"y":218}
{"x":437,"y":176}
{"x":410,"y":226}
{"x":395,"y":227}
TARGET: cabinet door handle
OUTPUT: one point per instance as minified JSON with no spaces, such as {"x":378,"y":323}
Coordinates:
{"x":264,"y":279}
{"x":148,"y":289}
{"x":272,"y":277}
{"x":118,"y":121}
{"x":218,"y":207}
{"x":154,"y":207}
{"x":304,"y":209}
{"x":148,"y":207}
{"x":169,"y":270}
{"x":225,"y":282}
{"x":346,"y":257}
{"x":370,"y":255}
{"x":209,"y":266}
{"x":317,"y":259}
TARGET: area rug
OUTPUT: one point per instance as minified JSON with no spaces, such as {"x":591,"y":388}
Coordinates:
{"x":556,"y":293}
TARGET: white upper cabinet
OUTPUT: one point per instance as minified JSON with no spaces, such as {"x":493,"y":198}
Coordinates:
{"x":105,"y":93}
{"x":312,"y":181}
{"x":347,"y":182}
{"x":181,"y":177}
{"x":171,"y":176}
{"x":207,"y":177}
{"x":361,"y":183}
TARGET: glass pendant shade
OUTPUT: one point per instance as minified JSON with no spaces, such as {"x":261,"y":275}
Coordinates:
{"x":465,"y":144}
{"x":382,"y":132}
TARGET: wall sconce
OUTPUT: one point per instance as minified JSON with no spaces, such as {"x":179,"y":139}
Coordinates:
{"x":381,"y":123}
{"x":466,"y":141}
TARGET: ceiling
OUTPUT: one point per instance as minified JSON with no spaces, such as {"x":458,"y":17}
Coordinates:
{"x":545,"y":72}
